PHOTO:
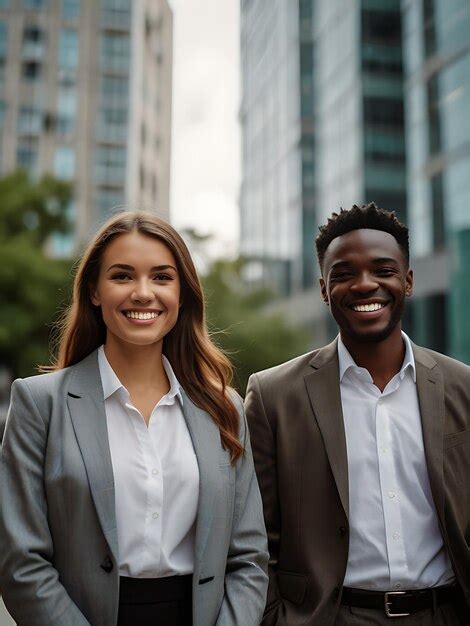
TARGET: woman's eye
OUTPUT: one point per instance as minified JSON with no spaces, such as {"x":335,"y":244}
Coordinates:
{"x":120,"y":277}
{"x":162,"y":277}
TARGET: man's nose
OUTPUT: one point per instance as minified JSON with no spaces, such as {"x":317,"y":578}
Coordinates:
{"x":364,"y":283}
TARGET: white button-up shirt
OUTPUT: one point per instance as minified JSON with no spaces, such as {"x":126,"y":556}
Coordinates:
{"x":395,"y":541}
{"x":156,"y":480}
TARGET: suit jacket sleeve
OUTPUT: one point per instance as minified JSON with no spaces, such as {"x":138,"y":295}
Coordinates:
{"x":264,"y":451}
{"x":246,"y":577}
{"x":29,"y":582}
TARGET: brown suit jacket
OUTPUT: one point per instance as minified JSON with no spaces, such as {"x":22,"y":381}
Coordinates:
{"x":299,"y":446}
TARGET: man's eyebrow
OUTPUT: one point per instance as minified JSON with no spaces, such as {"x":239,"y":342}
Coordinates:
{"x":385,"y":259}
{"x":129,"y":268}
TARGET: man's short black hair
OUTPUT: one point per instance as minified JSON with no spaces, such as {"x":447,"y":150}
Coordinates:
{"x":364,"y":216}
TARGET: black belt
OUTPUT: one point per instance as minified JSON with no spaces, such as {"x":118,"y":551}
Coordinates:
{"x":399,"y":603}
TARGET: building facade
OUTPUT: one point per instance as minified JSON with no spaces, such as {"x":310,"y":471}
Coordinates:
{"x":323,"y":128}
{"x":437,"y":88}
{"x":85,"y":94}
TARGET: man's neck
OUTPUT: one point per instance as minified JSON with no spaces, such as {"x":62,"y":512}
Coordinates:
{"x":383,"y":359}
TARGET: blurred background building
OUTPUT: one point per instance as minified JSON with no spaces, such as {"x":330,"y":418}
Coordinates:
{"x":436,"y":45}
{"x":85,"y":94}
{"x":348,"y":102}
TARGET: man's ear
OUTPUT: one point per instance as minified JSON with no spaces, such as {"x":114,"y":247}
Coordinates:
{"x":324,"y":293}
{"x":409,"y":283}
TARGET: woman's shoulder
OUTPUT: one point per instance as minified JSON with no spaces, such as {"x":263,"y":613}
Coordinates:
{"x":42,"y":387}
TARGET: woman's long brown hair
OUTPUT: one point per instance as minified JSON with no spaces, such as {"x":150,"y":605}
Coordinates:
{"x":203,"y":370}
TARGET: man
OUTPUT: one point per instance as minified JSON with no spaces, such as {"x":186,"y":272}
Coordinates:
{"x":362,"y":451}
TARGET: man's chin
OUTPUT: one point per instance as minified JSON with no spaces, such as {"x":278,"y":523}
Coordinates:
{"x":370,"y":336}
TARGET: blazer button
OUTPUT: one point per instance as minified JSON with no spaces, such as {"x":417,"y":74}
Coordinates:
{"x":342,"y":530}
{"x":107,"y":565}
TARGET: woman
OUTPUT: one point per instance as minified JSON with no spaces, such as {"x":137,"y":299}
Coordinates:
{"x":128,"y":494}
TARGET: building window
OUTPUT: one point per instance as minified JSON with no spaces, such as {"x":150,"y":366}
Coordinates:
{"x":116,"y":12}
{"x":66,"y":110}
{"x":33,"y":43}
{"x":3,"y":40}
{"x":107,"y":200}
{"x":115,"y":52}
{"x":29,"y":121}
{"x":111,"y":164}
{"x":31,"y":70}
{"x":27,"y":155}
{"x":113,"y":112}
{"x":68,"y":49}
{"x":64,"y":162}
{"x":70,"y":9}
{"x":34,"y":4}
{"x":3,"y":110}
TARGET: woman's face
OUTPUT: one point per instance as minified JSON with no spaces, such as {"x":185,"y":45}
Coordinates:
{"x":138,"y":289}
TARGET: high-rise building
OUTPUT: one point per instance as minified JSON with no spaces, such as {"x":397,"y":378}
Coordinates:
{"x":85,"y":94}
{"x":322,"y":124}
{"x":436,"y":47}
{"x":276,"y":117}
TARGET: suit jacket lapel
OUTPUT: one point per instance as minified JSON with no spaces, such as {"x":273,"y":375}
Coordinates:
{"x":206,"y":441}
{"x":325,"y":397}
{"x":86,"y":406}
{"x":430,"y":386}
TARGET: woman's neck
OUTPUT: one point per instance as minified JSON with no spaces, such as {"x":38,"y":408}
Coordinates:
{"x":137,"y":367}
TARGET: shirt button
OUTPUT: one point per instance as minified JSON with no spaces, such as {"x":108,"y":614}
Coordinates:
{"x":391,"y":494}
{"x":384,"y":450}
{"x":398,"y":586}
{"x":155,"y":515}
{"x":396,"y":536}
{"x":154,"y":471}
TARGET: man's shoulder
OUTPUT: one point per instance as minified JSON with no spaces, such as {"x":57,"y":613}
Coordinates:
{"x":292,"y":369}
{"x":449,"y":366}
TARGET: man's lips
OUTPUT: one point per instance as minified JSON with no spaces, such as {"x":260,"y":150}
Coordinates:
{"x":368,"y":308}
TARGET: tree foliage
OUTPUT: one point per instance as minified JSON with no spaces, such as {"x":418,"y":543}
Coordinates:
{"x":32,"y":285}
{"x":253,"y":339}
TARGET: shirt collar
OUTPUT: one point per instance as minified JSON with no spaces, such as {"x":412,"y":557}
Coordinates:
{"x":111,"y":382}
{"x":346,"y":361}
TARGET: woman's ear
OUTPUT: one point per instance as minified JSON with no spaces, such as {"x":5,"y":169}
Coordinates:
{"x":94,"y":297}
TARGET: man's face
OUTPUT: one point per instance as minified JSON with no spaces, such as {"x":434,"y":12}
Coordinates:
{"x":365,"y":281}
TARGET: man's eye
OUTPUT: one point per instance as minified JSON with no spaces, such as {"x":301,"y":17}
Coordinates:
{"x":341,"y":276}
{"x":385,"y":271}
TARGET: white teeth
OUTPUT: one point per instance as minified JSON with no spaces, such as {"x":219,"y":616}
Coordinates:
{"x":374,"y":306}
{"x":138,"y":315}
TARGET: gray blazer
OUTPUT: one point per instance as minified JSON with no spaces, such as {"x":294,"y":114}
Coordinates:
{"x":59,"y":548}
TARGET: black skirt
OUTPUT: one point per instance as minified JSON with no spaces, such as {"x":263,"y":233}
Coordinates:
{"x":155,"y":601}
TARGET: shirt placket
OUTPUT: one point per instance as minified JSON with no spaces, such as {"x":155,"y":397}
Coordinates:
{"x":390,"y":494}
{"x":151,"y":550}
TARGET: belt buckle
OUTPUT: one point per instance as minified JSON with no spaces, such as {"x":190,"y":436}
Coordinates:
{"x":388,"y":603}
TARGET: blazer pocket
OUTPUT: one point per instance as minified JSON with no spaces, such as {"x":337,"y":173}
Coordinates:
{"x":292,"y":586}
{"x":456,"y":439}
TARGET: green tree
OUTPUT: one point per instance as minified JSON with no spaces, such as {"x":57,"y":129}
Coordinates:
{"x":32,"y":285}
{"x":253,"y":339}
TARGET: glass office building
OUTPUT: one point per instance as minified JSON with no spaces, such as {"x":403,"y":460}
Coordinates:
{"x":322,"y":123}
{"x":85,"y":94}
{"x":436,"y":43}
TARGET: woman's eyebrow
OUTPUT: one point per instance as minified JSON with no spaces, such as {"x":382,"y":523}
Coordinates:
{"x":130,"y":268}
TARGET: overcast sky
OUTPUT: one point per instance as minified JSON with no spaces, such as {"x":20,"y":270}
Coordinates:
{"x":205,"y":173}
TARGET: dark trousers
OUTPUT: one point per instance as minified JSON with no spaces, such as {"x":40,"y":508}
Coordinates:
{"x":155,"y":601}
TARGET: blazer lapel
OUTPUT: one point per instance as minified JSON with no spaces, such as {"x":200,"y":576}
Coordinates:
{"x":206,"y":441}
{"x":430,"y":386}
{"x":86,"y":406}
{"x":325,"y":397}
